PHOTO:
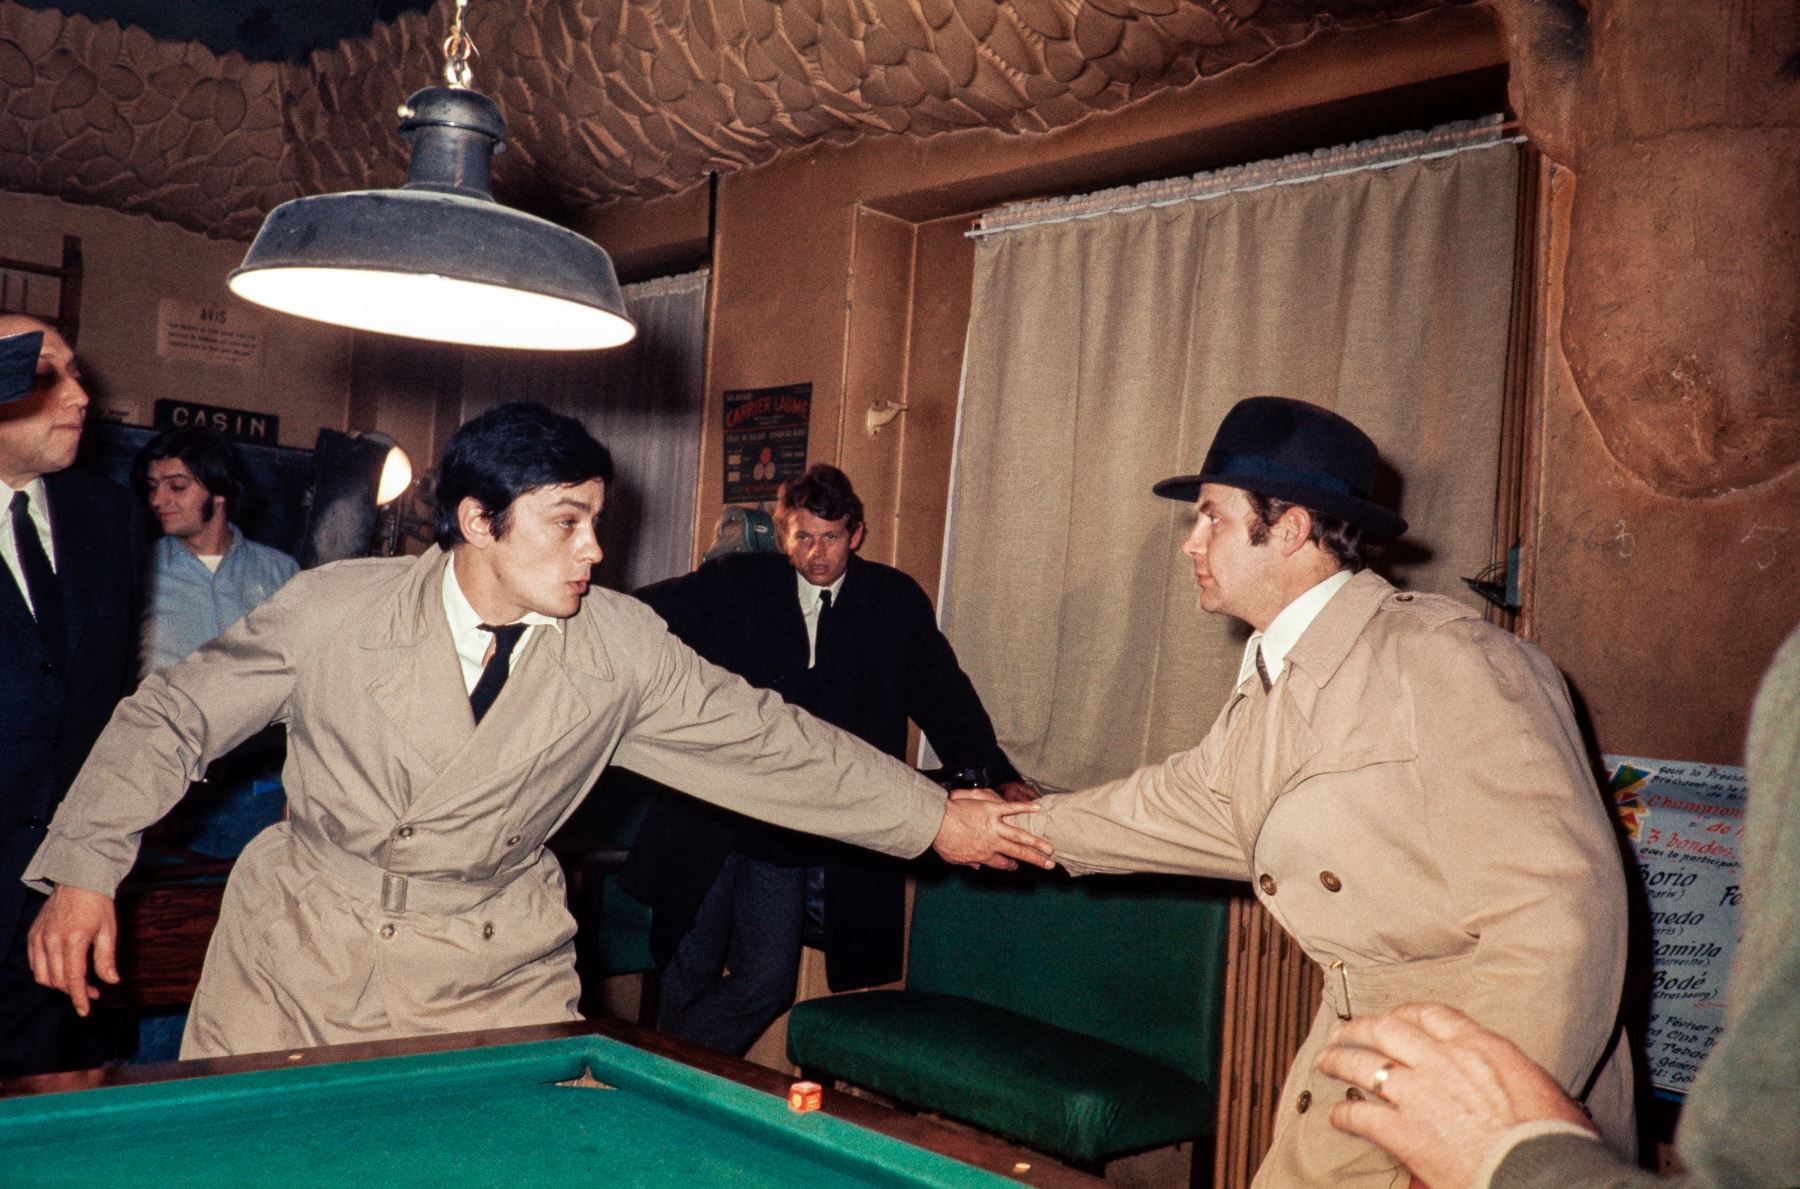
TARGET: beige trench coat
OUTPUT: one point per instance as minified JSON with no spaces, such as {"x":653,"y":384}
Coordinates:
{"x":1412,"y":803}
{"x":410,"y":891}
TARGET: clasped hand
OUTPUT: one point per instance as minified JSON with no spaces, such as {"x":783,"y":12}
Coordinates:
{"x":975,"y":831}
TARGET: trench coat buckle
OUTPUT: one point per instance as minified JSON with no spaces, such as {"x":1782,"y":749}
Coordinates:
{"x":1342,"y":1005}
{"x":393,"y":892}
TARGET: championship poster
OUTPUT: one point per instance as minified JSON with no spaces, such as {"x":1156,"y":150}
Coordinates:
{"x":1686,"y":824}
{"x":765,"y":440}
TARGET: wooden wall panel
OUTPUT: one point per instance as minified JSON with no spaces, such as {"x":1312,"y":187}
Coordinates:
{"x":1272,"y":991}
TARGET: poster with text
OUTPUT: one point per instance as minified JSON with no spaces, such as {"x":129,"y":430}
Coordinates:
{"x":765,"y":440}
{"x":1686,"y":823}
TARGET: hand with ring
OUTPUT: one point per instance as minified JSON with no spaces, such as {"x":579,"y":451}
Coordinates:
{"x":1444,"y":1089}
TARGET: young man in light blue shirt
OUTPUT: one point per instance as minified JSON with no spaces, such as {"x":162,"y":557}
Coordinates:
{"x":204,"y":574}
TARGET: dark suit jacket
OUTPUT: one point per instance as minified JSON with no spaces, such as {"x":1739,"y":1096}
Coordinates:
{"x":880,"y":661}
{"x":53,"y":707}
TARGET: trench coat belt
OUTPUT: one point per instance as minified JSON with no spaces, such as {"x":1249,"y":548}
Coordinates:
{"x":1352,"y":991}
{"x":402,"y":893}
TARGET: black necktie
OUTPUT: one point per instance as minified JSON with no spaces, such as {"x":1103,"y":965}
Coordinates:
{"x":1262,"y":670}
{"x":819,"y":624}
{"x":494,"y":676}
{"x":40,"y":579}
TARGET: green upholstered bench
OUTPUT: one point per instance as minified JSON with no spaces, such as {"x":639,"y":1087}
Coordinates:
{"x":1078,"y":1017}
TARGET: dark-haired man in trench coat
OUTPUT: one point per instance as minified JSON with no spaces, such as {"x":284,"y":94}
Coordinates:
{"x":445,"y":715}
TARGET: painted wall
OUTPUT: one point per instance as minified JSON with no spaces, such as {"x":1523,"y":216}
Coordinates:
{"x":1662,"y":611}
{"x":131,"y":263}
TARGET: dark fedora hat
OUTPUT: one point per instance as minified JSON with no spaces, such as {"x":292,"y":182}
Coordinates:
{"x":1297,"y":452}
{"x":18,"y":364}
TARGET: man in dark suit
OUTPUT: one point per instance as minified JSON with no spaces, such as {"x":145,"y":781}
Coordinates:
{"x":72,"y":552}
{"x":855,"y":643}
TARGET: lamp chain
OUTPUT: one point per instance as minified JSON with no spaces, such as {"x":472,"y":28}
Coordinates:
{"x":459,"y":47}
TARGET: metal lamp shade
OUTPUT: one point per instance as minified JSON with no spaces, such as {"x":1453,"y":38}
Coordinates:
{"x":439,"y":258}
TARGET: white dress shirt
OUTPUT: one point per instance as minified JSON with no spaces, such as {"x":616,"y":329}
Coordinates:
{"x":472,"y":643}
{"x":40,"y":516}
{"x":1285,"y":630}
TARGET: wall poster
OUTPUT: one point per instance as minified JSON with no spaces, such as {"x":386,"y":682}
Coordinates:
{"x":1685,"y":822}
{"x":765,"y":440}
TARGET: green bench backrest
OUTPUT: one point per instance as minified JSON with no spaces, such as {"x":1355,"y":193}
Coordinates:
{"x":1135,"y":960}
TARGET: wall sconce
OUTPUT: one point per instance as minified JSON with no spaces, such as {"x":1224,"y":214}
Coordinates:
{"x":880,"y":415}
{"x":353,"y":476}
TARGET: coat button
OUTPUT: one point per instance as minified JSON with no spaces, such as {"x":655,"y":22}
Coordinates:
{"x":1332,"y":883}
{"x":387,"y":931}
{"x":1403,"y":598}
{"x":487,"y":930}
{"x":404,"y":832}
{"x":514,"y":840}
{"x":1267,"y":884}
{"x":1304,"y":1101}
{"x":1353,"y":1094}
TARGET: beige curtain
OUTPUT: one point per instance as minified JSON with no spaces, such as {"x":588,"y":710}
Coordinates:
{"x":644,"y":401}
{"x":1102,"y":353}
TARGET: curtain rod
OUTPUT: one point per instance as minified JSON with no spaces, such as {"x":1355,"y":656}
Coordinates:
{"x":1384,"y":152}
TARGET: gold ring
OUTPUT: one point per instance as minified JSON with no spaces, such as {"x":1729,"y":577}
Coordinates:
{"x":1381,"y":1080}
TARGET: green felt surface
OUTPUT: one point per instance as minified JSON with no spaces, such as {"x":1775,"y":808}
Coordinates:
{"x":475,"y":1117}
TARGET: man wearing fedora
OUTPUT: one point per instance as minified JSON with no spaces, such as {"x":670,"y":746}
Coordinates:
{"x":1402,"y":784}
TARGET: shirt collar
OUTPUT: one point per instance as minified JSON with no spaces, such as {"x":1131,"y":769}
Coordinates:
{"x":38,"y":509}
{"x":1285,"y":630}
{"x":465,"y":621}
{"x":809,"y":594}
{"x":34,"y":488}
{"x":233,"y":539}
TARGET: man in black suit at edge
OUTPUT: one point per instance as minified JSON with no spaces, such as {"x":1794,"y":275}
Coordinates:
{"x":72,"y":548}
{"x":855,"y":643}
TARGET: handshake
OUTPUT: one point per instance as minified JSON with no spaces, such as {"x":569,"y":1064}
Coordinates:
{"x":978,"y":829}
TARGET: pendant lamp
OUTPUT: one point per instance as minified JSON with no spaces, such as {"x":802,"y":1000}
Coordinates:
{"x":438,"y":258}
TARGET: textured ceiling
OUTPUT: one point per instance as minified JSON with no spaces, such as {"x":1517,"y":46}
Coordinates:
{"x":604,"y":99}
{"x":261,"y":30}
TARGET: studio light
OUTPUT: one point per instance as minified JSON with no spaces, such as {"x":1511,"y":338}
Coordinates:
{"x":438,"y":258}
{"x":354,"y":477}
{"x":396,"y":476}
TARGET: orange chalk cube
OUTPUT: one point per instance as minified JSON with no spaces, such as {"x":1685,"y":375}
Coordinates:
{"x":805,"y":1096}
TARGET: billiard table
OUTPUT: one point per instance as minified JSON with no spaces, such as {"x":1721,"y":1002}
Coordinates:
{"x":597,"y":1103}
